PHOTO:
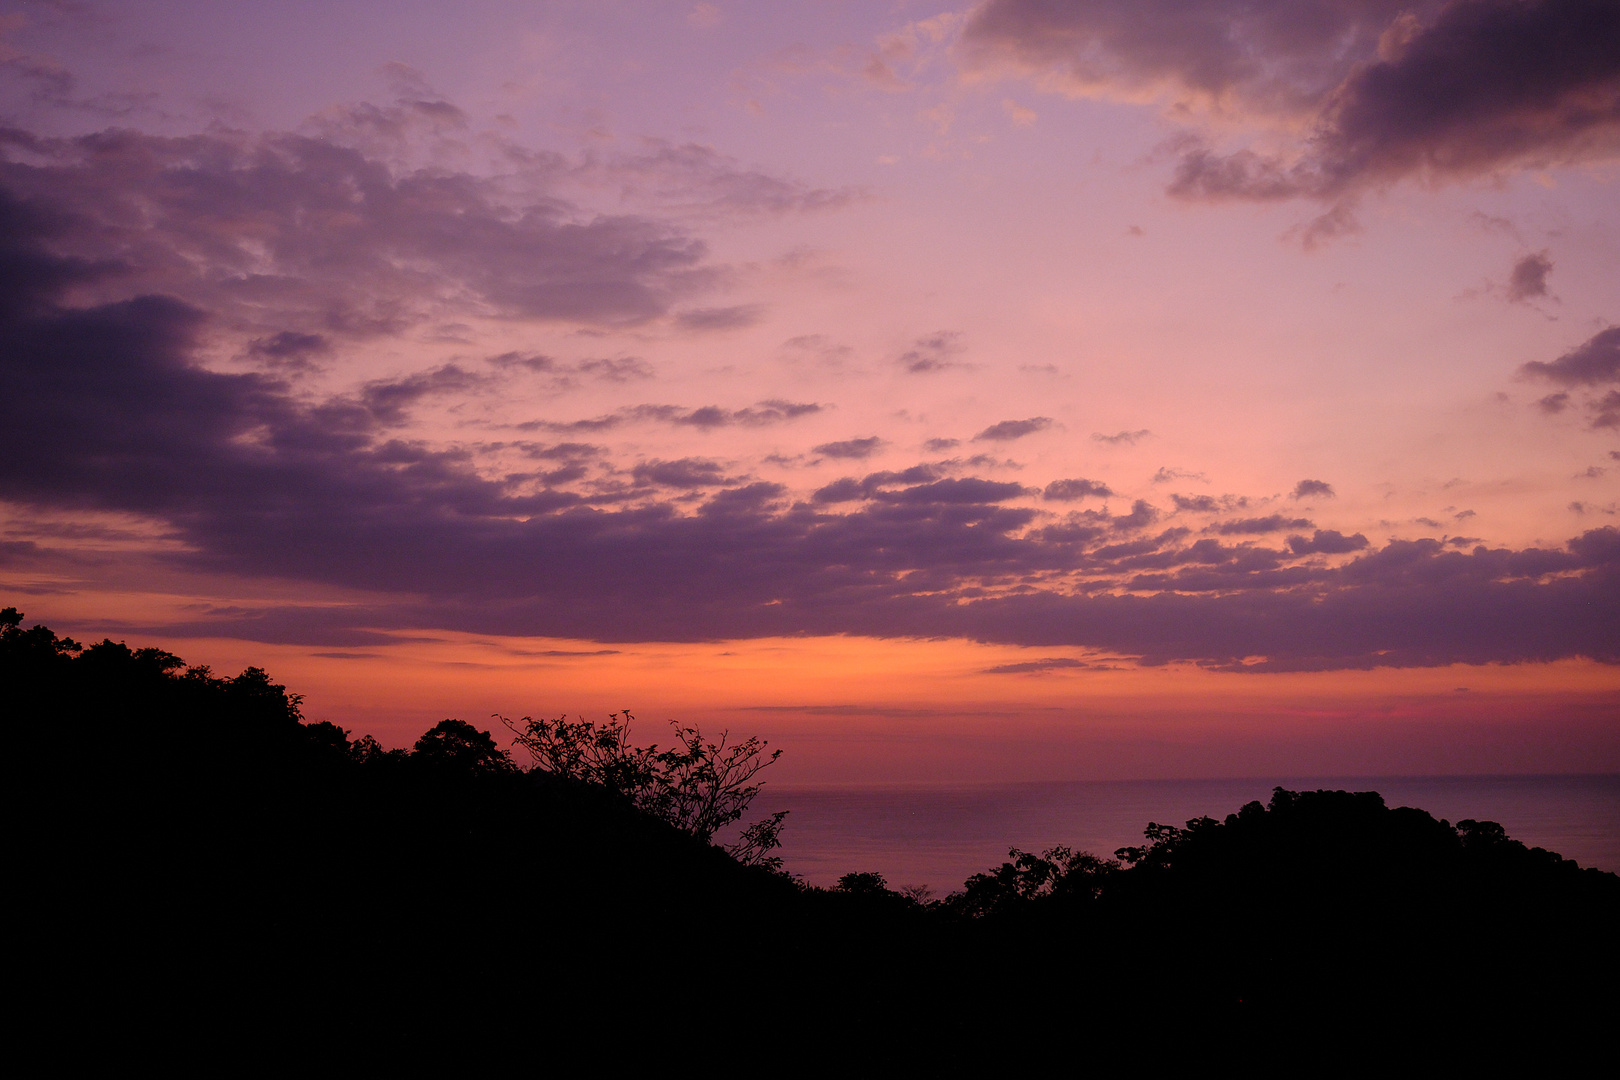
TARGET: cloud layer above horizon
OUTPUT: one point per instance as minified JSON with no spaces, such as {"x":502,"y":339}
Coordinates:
{"x":638,"y":389}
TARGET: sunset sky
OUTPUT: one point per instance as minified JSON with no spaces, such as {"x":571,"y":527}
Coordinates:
{"x":1019,"y":390}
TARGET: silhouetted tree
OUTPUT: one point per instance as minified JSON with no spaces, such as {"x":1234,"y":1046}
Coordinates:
{"x":457,"y":746}
{"x":699,"y":786}
{"x":1057,"y":872}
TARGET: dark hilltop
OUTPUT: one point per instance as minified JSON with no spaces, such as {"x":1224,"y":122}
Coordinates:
{"x":199,"y":867}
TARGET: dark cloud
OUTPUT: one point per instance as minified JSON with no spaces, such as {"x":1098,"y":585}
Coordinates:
{"x":1606,"y":411}
{"x":1306,"y":489}
{"x":103,"y":407}
{"x":615,"y":369}
{"x":1594,"y":361}
{"x":1199,"y":504}
{"x":1380,"y":89}
{"x":387,"y":400}
{"x":683,"y":473}
{"x":705,"y":417}
{"x":940,"y":445}
{"x":1076,"y":489}
{"x":1035,"y":667}
{"x":720,"y":318}
{"x":1007,"y":430}
{"x":1203,"y":504}
{"x":936,"y":352}
{"x":1141,"y":516}
{"x":1529,"y":277}
{"x":567,"y":375}
{"x":1326,"y":542}
{"x":1166,"y":476}
{"x":320,"y":238}
{"x":1122,"y":438}
{"x":1255,"y":526}
{"x":289,"y":349}
{"x":918,"y":484}
{"x":530,"y":362}
{"x":856,"y":449}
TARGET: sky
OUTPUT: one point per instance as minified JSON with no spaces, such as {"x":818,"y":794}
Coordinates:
{"x":1021,"y":390}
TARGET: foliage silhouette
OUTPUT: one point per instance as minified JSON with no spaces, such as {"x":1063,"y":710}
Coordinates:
{"x":176,"y":829}
{"x":699,"y":786}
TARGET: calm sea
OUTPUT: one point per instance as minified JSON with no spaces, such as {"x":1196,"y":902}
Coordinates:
{"x":938,"y":836}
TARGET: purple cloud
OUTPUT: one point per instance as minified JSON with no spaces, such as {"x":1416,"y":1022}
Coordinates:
{"x":106,"y":407}
{"x":1076,"y":489}
{"x":323,"y":239}
{"x":1529,"y":277}
{"x":1382,"y":89}
{"x":1123,"y":438}
{"x":1306,"y":489}
{"x":1594,"y":361}
{"x":854,"y":449}
{"x":1008,"y":430}
{"x":936,"y":352}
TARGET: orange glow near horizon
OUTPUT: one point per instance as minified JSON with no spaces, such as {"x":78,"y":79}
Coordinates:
{"x":850,"y":709}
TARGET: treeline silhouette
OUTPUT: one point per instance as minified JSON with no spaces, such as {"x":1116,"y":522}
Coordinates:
{"x":194,"y":857}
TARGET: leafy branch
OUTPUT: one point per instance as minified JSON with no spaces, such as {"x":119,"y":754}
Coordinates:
{"x":700,"y":786}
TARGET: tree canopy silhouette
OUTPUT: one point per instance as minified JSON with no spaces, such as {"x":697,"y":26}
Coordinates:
{"x":698,"y":785}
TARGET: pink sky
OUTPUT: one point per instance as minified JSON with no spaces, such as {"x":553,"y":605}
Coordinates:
{"x":1018,"y":390}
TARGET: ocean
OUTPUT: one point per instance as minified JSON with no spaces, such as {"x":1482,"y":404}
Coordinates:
{"x":938,"y":836}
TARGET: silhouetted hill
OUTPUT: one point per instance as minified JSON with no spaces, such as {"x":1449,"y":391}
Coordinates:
{"x":194,"y":856}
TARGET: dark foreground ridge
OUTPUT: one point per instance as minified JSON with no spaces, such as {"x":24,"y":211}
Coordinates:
{"x":198,"y":866}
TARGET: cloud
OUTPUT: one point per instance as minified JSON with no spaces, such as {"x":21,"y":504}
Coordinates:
{"x":1141,"y":516}
{"x":1074,"y":490}
{"x":289,"y":350}
{"x":1326,"y":542}
{"x":705,"y":417}
{"x":1255,"y":526}
{"x":304,"y":235}
{"x":724,"y":318}
{"x":1166,"y":476}
{"x":104,"y":407}
{"x":940,"y":445}
{"x":387,"y":400}
{"x":856,"y":449}
{"x":615,"y":369}
{"x":683,"y":473}
{"x":567,"y":375}
{"x":935,"y":352}
{"x":1529,"y":277}
{"x":1007,"y":430}
{"x":1594,"y":361}
{"x":1306,"y":489}
{"x":1122,"y":438}
{"x":1036,"y":667}
{"x":1360,"y":93}
{"x":1606,"y":411}
{"x":697,"y":180}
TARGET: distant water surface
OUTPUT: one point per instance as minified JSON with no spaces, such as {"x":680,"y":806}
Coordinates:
{"x":938,"y":836}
